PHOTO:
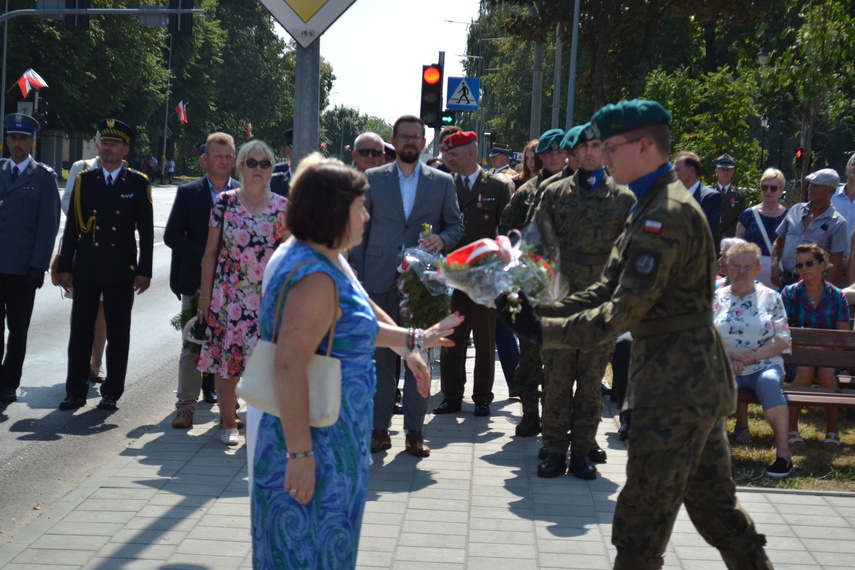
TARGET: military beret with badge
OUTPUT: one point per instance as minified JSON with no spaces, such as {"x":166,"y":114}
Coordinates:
{"x":570,"y":138}
{"x":616,"y":118}
{"x":550,"y":140}
{"x":460,"y":138}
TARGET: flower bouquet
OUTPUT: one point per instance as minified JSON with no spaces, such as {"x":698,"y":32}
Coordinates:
{"x":488,"y":267}
{"x":425,"y":300}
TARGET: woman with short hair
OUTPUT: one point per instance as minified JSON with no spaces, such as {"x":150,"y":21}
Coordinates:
{"x":758,"y":224}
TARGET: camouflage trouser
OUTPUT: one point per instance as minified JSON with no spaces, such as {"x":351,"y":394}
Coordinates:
{"x":677,"y":457}
{"x":528,"y":377}
{"x":565,"y":411}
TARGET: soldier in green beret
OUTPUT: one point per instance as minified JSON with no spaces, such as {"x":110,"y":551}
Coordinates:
{"x":588,"y":212}
{"x":517,"y":215}
{"x":658,"y":283}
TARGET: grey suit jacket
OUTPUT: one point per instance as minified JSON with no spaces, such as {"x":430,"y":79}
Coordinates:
{"x":29,"y":217}
{"x":388,"y":232}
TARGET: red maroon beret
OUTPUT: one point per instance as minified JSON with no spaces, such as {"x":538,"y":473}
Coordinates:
{"x":457,"y":139}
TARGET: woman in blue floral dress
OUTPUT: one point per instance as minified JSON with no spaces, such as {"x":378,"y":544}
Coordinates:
{"x":246,"y":227}
{"x":309,"y":484}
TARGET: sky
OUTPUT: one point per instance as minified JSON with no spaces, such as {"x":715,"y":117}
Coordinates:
{"x":377,"y":49}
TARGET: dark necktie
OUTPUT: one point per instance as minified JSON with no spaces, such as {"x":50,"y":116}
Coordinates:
{"x":15,"y":173}
{"x":109,"y":181}
{"x":465,"y":183}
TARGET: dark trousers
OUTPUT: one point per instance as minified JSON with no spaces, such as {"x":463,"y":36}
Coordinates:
{"x":16,"y":308}
{"x":481,"y":321}
{"x":118,"y":302}
{"x":509,"y":352}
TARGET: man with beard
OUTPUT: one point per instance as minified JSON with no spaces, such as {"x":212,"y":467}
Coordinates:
{"x":404,"y":195}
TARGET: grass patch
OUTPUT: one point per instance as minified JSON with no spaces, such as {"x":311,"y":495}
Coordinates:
{"x":816,"y":466}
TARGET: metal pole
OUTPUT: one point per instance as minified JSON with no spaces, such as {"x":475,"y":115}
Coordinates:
{"x":307,"y":100}
{"x":536,"y":91}
{"x":3,"y":81}
{"x":556,"y":82}
{"x":574,"y":52}
{"x":166,"y":110}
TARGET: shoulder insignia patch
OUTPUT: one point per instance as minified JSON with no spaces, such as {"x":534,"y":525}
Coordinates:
{"x":652,"y":227}
{"x":645,"y":264}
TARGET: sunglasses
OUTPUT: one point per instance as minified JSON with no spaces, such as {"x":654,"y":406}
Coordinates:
{"x":263,"y":164}
{"x":806,"y":264}
{"x":768,"y":188}
{"x":364,"y":152}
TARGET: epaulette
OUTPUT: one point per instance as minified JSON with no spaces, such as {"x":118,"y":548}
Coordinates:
{"x":44,"y":166}
{"x":134,"y":171}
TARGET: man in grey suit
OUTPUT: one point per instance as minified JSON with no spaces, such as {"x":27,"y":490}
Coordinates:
{"x":404,"y":195}
{"x":29,"y":220}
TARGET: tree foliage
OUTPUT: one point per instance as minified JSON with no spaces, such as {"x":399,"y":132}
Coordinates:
{"x":341,"y":125}
{"x":233,"y":70}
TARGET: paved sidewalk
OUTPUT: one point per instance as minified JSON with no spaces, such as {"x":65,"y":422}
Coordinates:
{"x":178,"y":500}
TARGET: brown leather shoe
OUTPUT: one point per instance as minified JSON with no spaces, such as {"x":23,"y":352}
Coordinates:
{"x":380,"y":440}
{"x":183,"y":419}
{"x":416,"y":444}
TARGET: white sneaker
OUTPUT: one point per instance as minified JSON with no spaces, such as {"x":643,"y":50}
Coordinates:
{"x":229,"y":436}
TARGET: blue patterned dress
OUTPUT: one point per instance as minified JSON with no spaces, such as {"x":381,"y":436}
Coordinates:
{"x":325,"y":533}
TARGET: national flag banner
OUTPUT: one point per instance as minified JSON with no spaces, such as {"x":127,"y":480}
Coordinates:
{"x":31,"y":80}
{"x":323,"y":145}
{"x":347,"y":147}
{"x":181,"y":111}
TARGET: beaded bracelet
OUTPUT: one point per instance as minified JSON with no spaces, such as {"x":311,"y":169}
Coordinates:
{"x":299,"y":455}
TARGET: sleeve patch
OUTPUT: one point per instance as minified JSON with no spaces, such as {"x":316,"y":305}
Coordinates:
{"x":643,"y":264}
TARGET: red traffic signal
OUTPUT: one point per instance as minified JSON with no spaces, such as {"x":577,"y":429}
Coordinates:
{"x":800,"y":152}
{"x":432,"y":75}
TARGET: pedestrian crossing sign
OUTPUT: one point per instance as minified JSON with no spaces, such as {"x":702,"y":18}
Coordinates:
{"x":463,"y":93}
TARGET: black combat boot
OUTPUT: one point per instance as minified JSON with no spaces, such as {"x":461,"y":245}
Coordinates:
{"x":581,"y":466}
{"x":554,"y":465}
{"x":529,"y":425}
{"x":597,"y":454}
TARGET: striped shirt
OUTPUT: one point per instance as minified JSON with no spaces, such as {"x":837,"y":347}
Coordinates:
{"x":831,"y":309}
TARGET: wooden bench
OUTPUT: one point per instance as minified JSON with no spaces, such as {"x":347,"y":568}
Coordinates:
{"x":819,"y":347}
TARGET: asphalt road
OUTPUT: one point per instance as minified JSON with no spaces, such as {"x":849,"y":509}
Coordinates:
{"x":45,"y":452}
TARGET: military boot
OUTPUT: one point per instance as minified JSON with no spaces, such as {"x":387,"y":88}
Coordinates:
{"x":581,"y":466}
{"x":553,"y":465}
{"x":530,"y":423}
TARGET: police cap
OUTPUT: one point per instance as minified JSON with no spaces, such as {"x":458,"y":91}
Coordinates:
{"x":21,"y":124}
{"x":725,"y":161}
{"x":115,"y":130}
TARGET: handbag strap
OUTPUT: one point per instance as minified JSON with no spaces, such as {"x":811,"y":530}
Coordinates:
{"x":280,"y":306}
{"x":762,"y":227}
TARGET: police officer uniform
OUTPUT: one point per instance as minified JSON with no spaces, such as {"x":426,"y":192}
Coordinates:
{"x":99,"y":249}
{"x":658,"y":283}
{"x":529,"y":375}
{"x":588,"y":212}
{"x":481,"y":205}
{"x":29,"y":220}
{"x":505,"y":170}
{"x":733,"y":200}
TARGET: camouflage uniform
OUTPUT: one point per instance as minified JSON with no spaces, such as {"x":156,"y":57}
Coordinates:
{"x":658,"y":283}
{"x":517,"y":215}
{"x":587,"y":223}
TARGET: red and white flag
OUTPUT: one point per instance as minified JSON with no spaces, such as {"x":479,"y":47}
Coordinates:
{"x":31,"y":80}
{"x":181,"y":111}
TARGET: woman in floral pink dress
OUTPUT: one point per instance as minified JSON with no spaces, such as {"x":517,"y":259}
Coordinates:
{"x":247,"y":225}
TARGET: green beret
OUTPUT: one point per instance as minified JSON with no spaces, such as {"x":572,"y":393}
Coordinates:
{"x":550,"y":140}
{"x":617,"y":118}
{"x":569,"y":140}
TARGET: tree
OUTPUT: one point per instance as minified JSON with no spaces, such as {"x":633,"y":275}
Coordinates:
{"x":341,"y":125}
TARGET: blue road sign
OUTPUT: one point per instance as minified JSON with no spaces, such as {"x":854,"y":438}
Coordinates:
{"x":463,"y":93}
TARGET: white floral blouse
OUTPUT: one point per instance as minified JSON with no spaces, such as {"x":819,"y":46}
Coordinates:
{"x":750,"y":321}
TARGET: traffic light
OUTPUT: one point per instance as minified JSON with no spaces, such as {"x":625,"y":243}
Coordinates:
{"x":431,"y":106}
{"x":447,"y":118}
{"x":800,"y":154}
{"x":77,"y":22}
{"x":181,"y":24}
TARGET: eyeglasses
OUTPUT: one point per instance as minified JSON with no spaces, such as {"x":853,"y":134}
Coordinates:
{"x":768,"y":188}
{"x":409,"y":138}
{"x":263,"y":164}
{"x":363,"y":152}
{"x":611,"y":148}
{"x":806,"y":264}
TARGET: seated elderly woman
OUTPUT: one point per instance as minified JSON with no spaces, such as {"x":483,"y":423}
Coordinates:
{"x":753,"y":324}
{"x":815,"y":303}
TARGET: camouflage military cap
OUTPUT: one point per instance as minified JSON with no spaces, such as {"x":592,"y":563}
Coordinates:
{"x":617,"y":118}
{"x":550,"y":140}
